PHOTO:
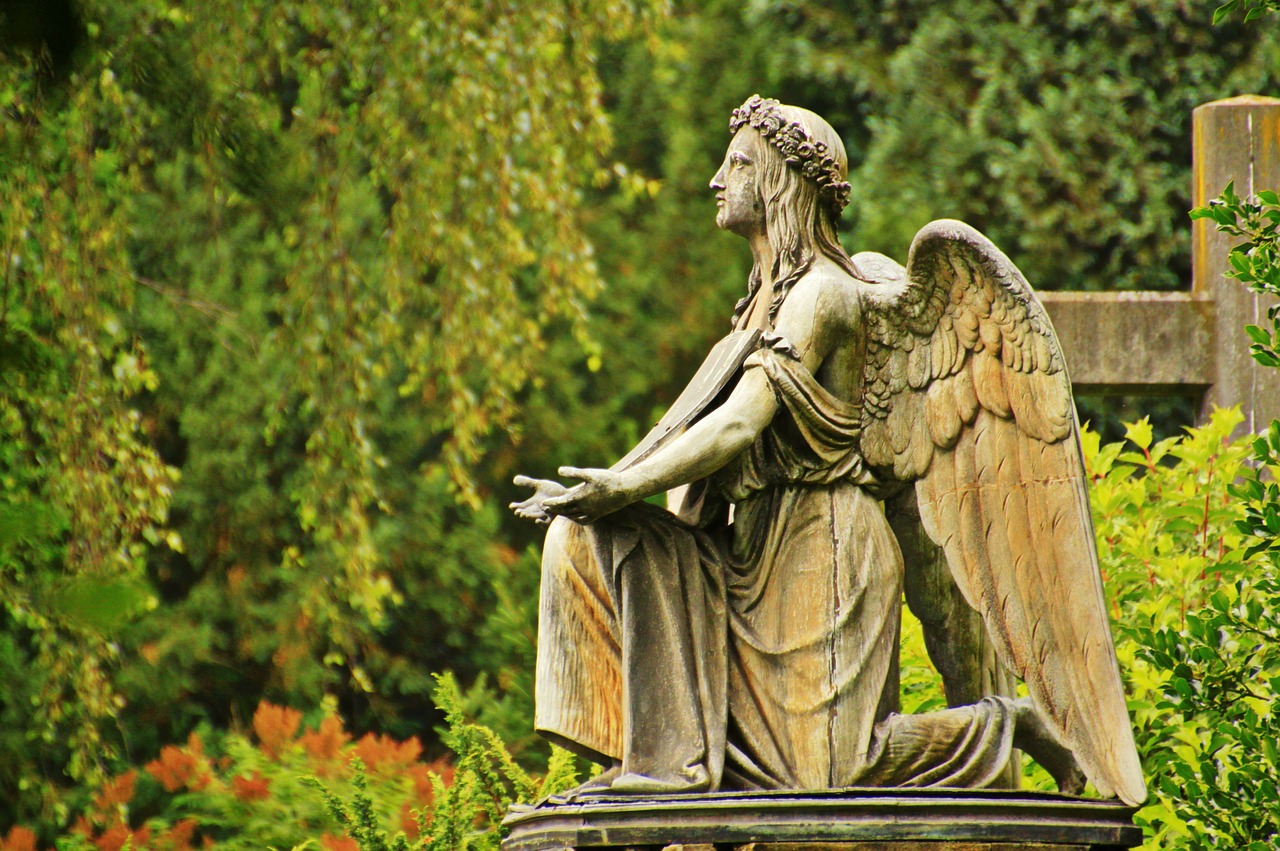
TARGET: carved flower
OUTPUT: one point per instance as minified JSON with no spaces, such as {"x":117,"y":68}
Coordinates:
{"x":840,"y":196}
{"x":769,"y":124}
{"x":805,"y":149}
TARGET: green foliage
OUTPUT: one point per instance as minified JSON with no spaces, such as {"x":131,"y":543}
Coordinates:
{"x":282,"y":784}
{"x":468,"y":814}
{"x":274,"y":277}
{"x":86,"y":495}
{"x":1252,"y":9}
{"x":1223,"y":664}
{"x":920,"y":684}
{"x":1224,"y":684}
{"x":1255,"y":260}
{"x":1060,"y":130}
{"x":1194,"y":610}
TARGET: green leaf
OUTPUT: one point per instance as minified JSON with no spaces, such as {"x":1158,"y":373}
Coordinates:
{"x":1229,"y":196}
{"x":1258,"y":335}
{"x":1139,"y":433}
{"x":103,"y":605}
{"x":1220,"y":13}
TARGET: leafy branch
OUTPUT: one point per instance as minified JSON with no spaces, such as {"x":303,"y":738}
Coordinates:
{"x":468,"y":813}
{"x":1253,"y":9}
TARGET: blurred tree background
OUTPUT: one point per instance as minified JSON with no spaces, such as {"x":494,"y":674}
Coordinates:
{"x":291,"y":289}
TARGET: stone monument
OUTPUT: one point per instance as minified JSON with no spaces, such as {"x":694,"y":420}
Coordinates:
{"x":865,"y":429}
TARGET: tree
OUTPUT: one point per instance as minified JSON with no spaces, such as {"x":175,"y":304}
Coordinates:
{"x":246,"y":247}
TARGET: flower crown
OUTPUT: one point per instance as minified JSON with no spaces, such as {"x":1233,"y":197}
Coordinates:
{"x":801,"y":152}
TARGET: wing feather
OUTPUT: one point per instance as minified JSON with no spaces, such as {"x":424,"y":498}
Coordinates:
{"x":943,"y":412}
{"x":966,"y":393}
{"x":989,"y":383}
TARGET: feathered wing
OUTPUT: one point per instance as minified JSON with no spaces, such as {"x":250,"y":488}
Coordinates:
{"x":966,"y":394}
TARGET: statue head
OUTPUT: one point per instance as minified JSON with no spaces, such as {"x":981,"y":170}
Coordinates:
{"x":784,"y":174}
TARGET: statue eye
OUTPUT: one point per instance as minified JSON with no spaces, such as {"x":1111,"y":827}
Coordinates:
{"x":739,"y":159}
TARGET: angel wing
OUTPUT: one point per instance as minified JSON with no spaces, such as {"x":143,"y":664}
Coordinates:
{"x":967,"y":395}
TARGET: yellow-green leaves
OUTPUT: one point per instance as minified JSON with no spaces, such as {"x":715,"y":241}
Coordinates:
{"x":1196,"y":630}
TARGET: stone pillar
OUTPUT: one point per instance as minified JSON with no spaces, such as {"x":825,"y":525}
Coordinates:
{"x":1235,"y":139}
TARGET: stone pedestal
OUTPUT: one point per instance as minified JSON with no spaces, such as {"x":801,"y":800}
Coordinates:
{"x":845,"y":820}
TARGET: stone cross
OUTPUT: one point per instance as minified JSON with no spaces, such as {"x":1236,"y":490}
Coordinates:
{"x":1188,"y":343}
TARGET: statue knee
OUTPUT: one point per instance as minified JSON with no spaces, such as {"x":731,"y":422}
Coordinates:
{"x":565,"y":548}
{"x":557,"y":540}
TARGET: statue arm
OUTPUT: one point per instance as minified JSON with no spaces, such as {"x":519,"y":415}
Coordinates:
{"x":810,"y":320}
{"x":708,"y":445}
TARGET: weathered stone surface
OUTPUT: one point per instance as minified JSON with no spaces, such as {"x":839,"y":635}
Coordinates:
{"x":748,"y":640}
{"x":1136,"y":343}
{"x":1235,"y":139}
{"x":858,"y":820}
{"x":901,"y":846}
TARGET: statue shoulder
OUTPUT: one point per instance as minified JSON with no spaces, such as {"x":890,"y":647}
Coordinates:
{"x":877,"y":268}
{"x":826,"y":298}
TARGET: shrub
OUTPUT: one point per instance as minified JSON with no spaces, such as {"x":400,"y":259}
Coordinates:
{"x":1196,"y":620}
{"x":286,"y":783}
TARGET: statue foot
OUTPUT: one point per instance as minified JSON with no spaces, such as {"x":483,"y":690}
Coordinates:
{"x":1033,"y":735}
{"x":640,"y":784}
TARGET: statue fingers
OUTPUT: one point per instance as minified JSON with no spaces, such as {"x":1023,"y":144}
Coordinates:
{"x":531,"y":512}
{"x":590,"y":475}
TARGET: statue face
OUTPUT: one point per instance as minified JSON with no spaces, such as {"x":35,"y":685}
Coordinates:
{"x":739,"y":207}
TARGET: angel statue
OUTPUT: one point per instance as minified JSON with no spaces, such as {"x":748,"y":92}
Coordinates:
{"x":864,"y":427}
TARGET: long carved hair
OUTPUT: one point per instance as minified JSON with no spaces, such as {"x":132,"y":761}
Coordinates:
{"x":799,"y":221}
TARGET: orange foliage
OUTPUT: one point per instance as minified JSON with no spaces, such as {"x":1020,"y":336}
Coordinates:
{"x":19,"y":839}
{"x":255,"y":788}
{"x":178,"y":767}
{"x":420,"y":774}
{"x":329,"y":842}
{"x":408,"y":822}
{"x":115,"y":792}
{"x":379,"y":752}
{"x":115,"y":837}
{"x":275,"y":726}
{"x":325,"y":743}
{"x":178,"y":837}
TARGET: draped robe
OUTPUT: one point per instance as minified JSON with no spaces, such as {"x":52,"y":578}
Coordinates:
{"x":754,"y":654}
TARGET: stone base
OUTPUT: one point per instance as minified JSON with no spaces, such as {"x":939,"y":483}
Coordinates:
{"x":843,"y":820}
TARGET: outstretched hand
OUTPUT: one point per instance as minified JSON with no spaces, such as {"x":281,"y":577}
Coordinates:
{"x":534,"y":508}
{"x":599,"y":494}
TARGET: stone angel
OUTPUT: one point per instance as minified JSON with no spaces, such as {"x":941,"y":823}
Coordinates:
{"x":865,"y":426}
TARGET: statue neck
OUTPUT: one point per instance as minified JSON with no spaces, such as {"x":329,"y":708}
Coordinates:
{"x":757,"y":314}
{"x":763,"y":256}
